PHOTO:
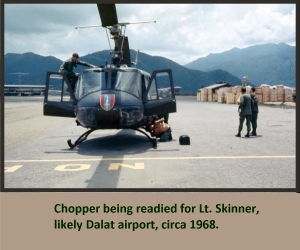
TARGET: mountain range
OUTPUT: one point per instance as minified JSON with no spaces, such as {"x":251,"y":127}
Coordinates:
{"x":271,"y":64}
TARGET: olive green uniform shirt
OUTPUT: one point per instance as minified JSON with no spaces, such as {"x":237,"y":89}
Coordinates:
{"x":69,"y":65}
{"x":246,"y":105}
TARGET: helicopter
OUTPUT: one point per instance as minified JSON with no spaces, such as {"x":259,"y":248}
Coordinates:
{"x":117,"y":95}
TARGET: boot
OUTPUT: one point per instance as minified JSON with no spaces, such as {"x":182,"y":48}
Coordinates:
{"x":247,"y":135}
{"x":253,"y":133}
{"x":238,"y":134}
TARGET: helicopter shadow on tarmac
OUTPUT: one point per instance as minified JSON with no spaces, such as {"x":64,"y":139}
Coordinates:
{"x":112,"y":149}
{"x":114,"y":146}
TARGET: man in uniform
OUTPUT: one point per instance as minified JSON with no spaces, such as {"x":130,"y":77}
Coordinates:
{"x":245,"y":110}
{"x":254,"y":112}
{"x":69,"y":65}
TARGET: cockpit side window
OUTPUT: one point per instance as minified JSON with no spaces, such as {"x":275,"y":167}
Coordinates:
{"x":91,"y":81}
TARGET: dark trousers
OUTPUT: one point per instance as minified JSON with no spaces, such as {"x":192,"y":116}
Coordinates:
{"x":248,"y":122}
{"x":254,"y":120}
{"x":72,"y":79}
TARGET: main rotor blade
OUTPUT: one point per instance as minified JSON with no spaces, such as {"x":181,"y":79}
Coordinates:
{"x":108,"y":14}
{"x":124,"y":24}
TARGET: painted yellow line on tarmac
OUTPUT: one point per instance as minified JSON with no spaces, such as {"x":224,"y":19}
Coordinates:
{"x":159,"y":158}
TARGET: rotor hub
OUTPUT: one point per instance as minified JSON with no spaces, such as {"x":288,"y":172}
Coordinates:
{"x":115,"y":31}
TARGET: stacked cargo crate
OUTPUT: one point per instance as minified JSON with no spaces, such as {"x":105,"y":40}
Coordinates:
{"x":231,"y":95}
{"x":280,"y":93}
{"x":203,"y":95}
{"x":266,"y":91}
{"x":288,"y":94}
{"x":258,"y":92}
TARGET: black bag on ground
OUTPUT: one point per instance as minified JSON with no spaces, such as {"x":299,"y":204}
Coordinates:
{"x":166,"y":136}
{"x":184,"y":140}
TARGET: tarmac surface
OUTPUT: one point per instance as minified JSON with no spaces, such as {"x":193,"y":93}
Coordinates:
{"x":37,"y":154}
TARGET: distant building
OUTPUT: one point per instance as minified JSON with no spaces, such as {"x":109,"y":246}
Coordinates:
{"x":217,"y":86}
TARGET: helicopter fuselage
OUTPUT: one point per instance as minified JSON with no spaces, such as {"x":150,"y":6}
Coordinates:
{"x":111,"y":98}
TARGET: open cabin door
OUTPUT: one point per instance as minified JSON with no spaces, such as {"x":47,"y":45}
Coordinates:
{"x":59,"y":98}
{"x":160,"y":95}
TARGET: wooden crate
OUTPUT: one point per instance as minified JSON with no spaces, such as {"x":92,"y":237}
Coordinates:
{"x":238,"y":89}
{"x":273,"y":91}
{"x":259,"y":98}
{"x":280,"y":97}
{"x":221,"y":98}
{"x":280,"y":90}
{"x":288,"y":98}
{"x":258,"y":90}
{"x":198,"y":96}
{"x":230,"y":98}
{"x":215,"y":98}
{"x":203,"y":97}
{"x":209,"y":91}
{"x":288,"y":91}
{"x":265,"y":97}
{"x":273,"y":97}
{"x":209,"y":97}
{"x":230,"y":90}
{"x":265,"y":89}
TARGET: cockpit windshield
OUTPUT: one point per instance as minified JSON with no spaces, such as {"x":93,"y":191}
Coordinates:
{"x":128,"y":81}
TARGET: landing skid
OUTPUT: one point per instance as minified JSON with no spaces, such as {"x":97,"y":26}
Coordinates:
{"x":153,"y":140}
{"x":84,"y":136}
{"x":81,"y":139}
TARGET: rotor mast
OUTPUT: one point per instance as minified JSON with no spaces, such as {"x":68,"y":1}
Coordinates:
{"x":108,"y":15}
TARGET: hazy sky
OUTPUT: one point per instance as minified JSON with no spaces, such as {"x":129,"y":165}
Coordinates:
{"x":182,"y":33}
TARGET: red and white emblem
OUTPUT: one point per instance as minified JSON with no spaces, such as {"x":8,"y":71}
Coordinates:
{"x":107,"y":101}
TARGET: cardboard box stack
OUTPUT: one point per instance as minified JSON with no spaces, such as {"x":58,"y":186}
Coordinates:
{"x":222,"y":95}
{"x":215,"y":97}
{"x":273,"y":95}
{"x":209,"y":95}
{"x":288,"y":94}
{"x":230,"y":98}
{"x":231,"y":95}
{"x":203,"y":95}
{"x":259,"y":98}
{"x":266,"y":91}
{"x":280,"y":93}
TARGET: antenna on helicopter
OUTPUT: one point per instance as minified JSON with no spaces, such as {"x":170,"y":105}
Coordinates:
{"x":136,"y":58}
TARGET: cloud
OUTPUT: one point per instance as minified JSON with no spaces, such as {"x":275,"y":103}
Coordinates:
{"x":183,"y":32}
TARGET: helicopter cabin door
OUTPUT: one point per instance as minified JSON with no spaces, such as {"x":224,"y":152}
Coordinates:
{"x":59,"y":98}
{"x":160,"y":95}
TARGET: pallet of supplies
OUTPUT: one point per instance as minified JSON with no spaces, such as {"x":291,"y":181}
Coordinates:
{"x":265,"y":97}
{"x":259,"y":98}
{"x":258,"y":90}
{"x":230,"y":98}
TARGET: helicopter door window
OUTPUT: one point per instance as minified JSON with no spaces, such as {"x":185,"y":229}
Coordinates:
{"x":59,"y":91}
{"x":152,"y":94}
{"x":163,"y":85}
